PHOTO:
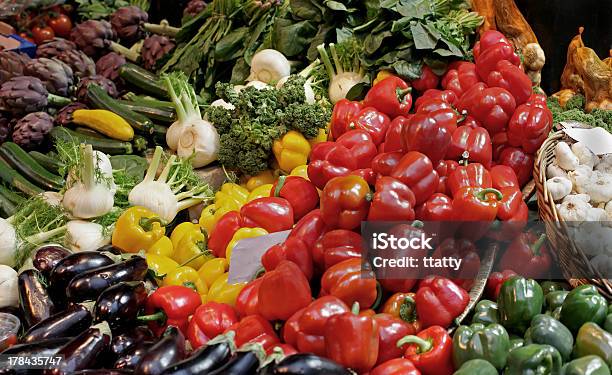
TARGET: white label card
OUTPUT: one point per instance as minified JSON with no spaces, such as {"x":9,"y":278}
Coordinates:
{"x":246,"y":256}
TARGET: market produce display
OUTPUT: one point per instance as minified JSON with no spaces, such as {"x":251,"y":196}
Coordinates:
{"x":196,"y":198}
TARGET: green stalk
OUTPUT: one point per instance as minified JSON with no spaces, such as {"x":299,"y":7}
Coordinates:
{"x":326,"y":61}
{"x":337,"y":61}
{"x":152,"y":170}
{"x":87,"y":171}
{"x":164,"y":175}
{"x":42,"y":237}
{"x":181,"y":114}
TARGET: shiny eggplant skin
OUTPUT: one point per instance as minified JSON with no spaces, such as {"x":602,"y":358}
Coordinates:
{"x":89,"y":285}
{"x":72,"y":265}
{"x":48,"y":256}
{"x":121,"y":343}
{"x":34,"y":300}
{"x":68,"y":323}
{"x":243,"y":363}
{"x":208,"y":358}
{"x":132,"y":357}
{"x":119,"y":304}
{"x":110,"y":249}
{"x":43,"y":348}
{"x":166,"y":352}
{"x":104,"y":372}
{"x":308,"y":364}
{"x":82,"y":352}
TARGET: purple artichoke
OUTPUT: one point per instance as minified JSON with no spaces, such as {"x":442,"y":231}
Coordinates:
{"x":63,"y":117}
{"x":54,"y":47}
{"x":193,"y":8}
{"x":93,"y":37}
{"x":25,"y":94}
{"x":30,"y":132}
{"x":55,"y":74}
{"x":154,"y":48}
{"x":128,"y":23}
{"x":11,"y":65}
{"x":81,"y":64}
{"x":105,"y":83}
{"x":6,"y":127}
{"x":108,"y":66}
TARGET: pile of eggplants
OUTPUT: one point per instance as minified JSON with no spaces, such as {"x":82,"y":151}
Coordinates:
{"x":84,"y":307}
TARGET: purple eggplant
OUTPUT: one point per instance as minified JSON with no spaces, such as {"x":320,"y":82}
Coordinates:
{"x":204,"y":360}
{"x":73,"y":265}
{"x":89,"y":285}
{"x":123,"y":342}
{"x":132,"y":357}
{"x":119,"y":304}
{"x":34,"y":300}
{"x":68,"y":323}
{"x":111,"y":249}
{"x":166,"y":352}
{"x":243,"y":363}
{"x":46,"y":257}
{"x":43,"y":348}
{"x":104,"y":372}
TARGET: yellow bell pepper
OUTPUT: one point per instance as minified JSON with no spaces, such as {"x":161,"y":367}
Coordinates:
{"x":187,"y":276}
{"x":137,"y":229}
{"x":163,"y":246}
{"x":241,"y":234}
{"x":222,"y":292}
{"x":301,"y":171}
{"x":291,"y":150}
{"x":264,"y":178}
{"x":260,"y":192}
{"x":179,"y":231}
{"x":231,"y":195}
{"x":382,"y":75}
{"x":321,"y":137}
{"x":161,"y":265}
{"x":211,"y":214}
{"x":191,"y":250}
{"x":212,"y":270}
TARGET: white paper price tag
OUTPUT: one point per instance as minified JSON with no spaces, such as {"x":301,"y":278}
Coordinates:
{"x":246,"y":256}
{"x":597,"y":140}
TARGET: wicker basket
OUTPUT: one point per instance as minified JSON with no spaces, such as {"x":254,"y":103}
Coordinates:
{"x":572,"y":259}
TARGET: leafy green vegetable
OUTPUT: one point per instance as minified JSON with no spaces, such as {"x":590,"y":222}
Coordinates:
{"x":132,"y":165}
{"x":574,"y":112}
{"x":98,"y":9}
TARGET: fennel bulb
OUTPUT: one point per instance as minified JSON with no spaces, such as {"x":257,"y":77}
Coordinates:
{"x":83,"y":235}
{"x":91,"y":194}
{"x":269,"y":66}
{"x":9,"y":292}
{"x":8,"y":243}
{"x":342,"y":76}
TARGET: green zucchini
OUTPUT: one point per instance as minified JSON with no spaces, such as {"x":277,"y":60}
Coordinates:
{"x":158,"y":114}
{"x":11,"y":177}
{"x":90,"y":132}
{"x":25,"y":164}
{"x":108,"y":146}
{"x":8,"y":208}
{"x":9,"y":201}
{"x":143,"y":79}
{"x":100,"y":99}
{"x":50,"y":163}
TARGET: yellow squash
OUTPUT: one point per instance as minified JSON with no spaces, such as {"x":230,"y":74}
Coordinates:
{"x":105,"y":122}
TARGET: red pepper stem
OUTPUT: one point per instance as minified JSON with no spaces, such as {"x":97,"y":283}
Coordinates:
{"x":146,"y":223}
{"x":279,"y":185}
{"x":481,"y":195}
{"x":156,"y":317}
{"x":401,"y":93}
{"x":355,"y":308}
{"x":537,"y":246}
{"x":424,"y":345}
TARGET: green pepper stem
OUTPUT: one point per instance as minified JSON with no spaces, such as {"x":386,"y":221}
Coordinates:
{"x":355,"y":308}
{"x":418,"y":224}
{"x":203,"y":253}
{"x":190,"y":285}
{"x":279,"y":185}
{"x":146,"y":223}
{"x":537,"y":246}
{"x":156,"y":317}
{"x":401,"y":93}
{"x":481,"y":195}
{"x":407,"y":311}
{"x":58,"y":101}
{"x":379,"y":295}
{"x":424,"y":345}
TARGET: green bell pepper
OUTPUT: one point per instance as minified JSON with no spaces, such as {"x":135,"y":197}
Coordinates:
{"x":519,"y":301}
{"x":552,"y":286}
{"x":534,"y":359}
{"x":592,"y":339}
{"x":476,"y":367}
{"x":555,"y":299}
{"x":516,"y":342}
{"x":548,"y":330}
{"x":490,"y":343}
{"x":583,"y":304}
{"x":486,"y":312}
{"x":589,"y":365}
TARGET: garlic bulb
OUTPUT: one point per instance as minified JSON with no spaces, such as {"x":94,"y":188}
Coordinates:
{"x":85,"y":236}
{"x":553,"y":170}
{"x":584,"y":154}
{"x":565,"y":158}
{"x":580,"y":178}
{"x":269,"y":66}
{"x":574,"y":210}
{"x":599,"y":187}
{"x":559,"y":187}
{"x":8,"y":285}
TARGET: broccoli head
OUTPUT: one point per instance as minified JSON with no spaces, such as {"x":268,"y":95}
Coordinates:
{"x":292,"y":90}
{"x":220,"y":117}
{"x":306,"y":118}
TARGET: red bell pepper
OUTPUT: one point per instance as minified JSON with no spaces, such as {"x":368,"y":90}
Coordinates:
{"x":471,"y":175}
{"x":488,"y":58}
{"x":529,"y":127}
{"x":336,"y":246}
{"x":360,"y":144}
{"x":445,"y":168}
{"x":427,"y":81}
{"x":352,"y":340}
{"x":503,"y":177}
{"x":270,"y":213}
{"x":520,"y":161}
{"x":345,"y":281}
{"x":247,"y":300}
{"x":465,"y":250}
{"x":460,"y":78}
{"x":329,"y":160}
{"x":208,"y":321}
{"x":309,"y":228}
{"x":393,"y":137}
{"x":402,"y":306}
{"x":392,"y":201}
{"x":416,"y":171}
{"x":223,"y":232}
{"x":254,"y":329}
{"x":431,"y":351}
{"x":430,"y":133}
{"x":372,"y":121}
{"x":384,"y":163}
{"x":495,"y":281}
{"x":439,"y":301}
{"x":491,"y":107}
{"x":305,"y":330}
{"x":283,"y":291}
{"x":293,"y":250}
{"x":487,"y":39}
{"x":512,"y":78}
{"x":500,"y":142}
{"x":447,"y":96}
{"x":528,"y":253}
{"x":390,"y":96}
{"x":476,"y":204}
{"x":510,"y":204}
{"x":390,"y":330}
{"x":367,"y":174}
{"x":439,"y":207}
{"x":472,"y":144}
{"x":344,"y":111}
{"x":344,"y":202}
{"x":170,"y":305}
{"x":301,"y":194}
{"x":397,"y":366}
